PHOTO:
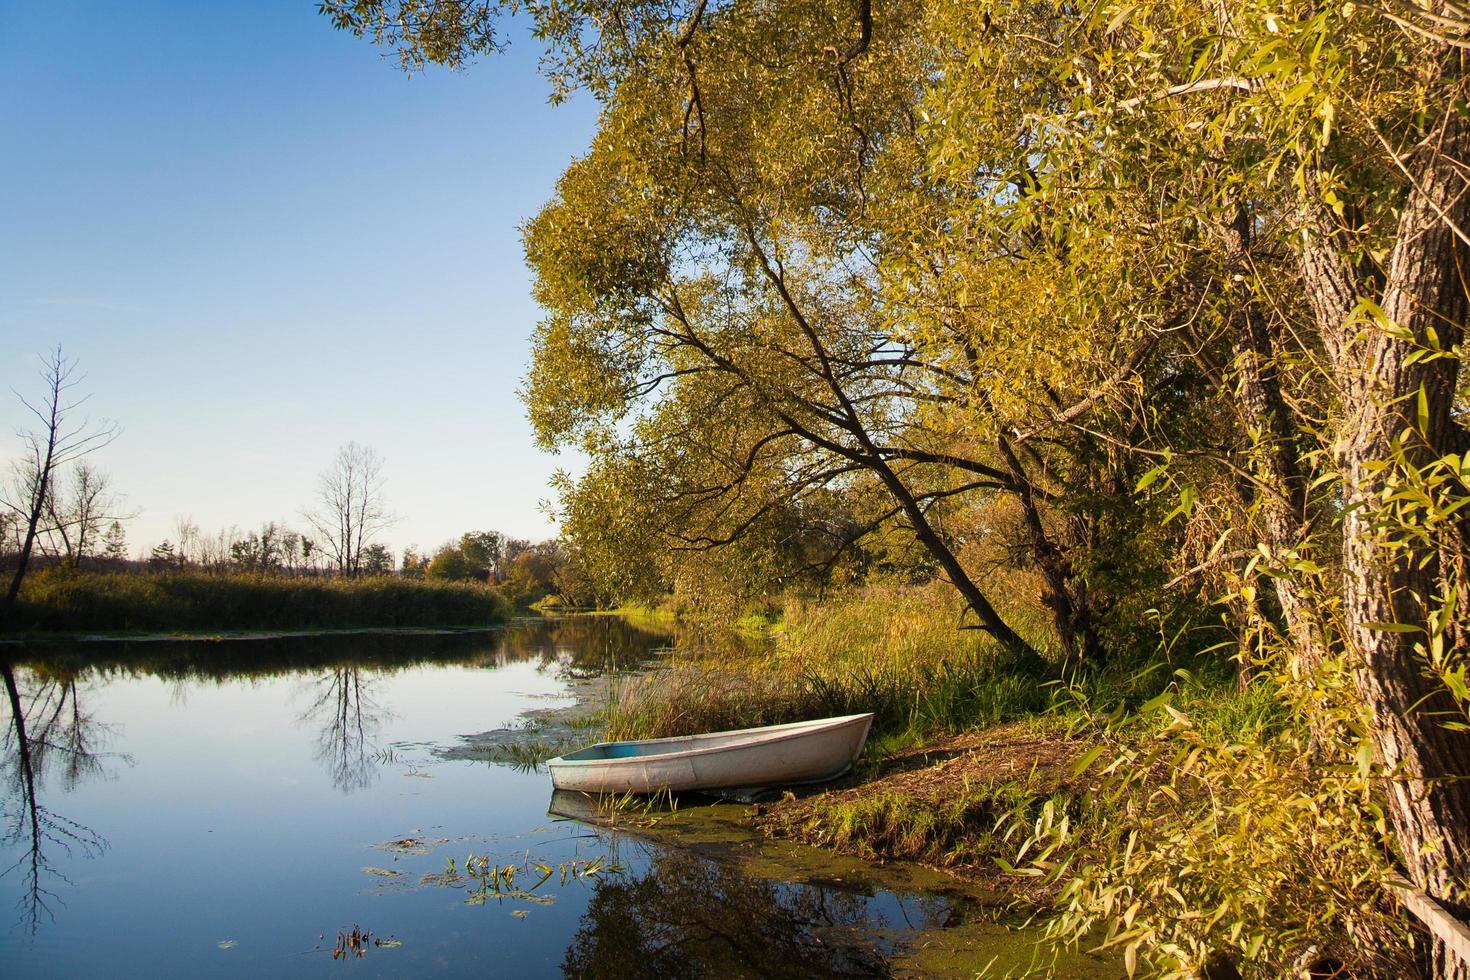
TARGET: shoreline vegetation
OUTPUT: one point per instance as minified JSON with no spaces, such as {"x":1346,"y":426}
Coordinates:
{"x":981,"y":769}
{"x":68,"y":601}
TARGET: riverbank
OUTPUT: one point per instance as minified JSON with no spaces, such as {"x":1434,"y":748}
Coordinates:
{"x":946,"y":805}
{"x":62,"y":601}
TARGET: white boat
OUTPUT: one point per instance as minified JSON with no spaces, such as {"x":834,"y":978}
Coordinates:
{"x":778,"y":755}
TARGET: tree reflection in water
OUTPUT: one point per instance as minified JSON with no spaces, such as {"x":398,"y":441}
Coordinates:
{"x":350,"y":718}
{"x":689,"y":916}
{"x":342,"y":702}
{"x":584,"y":646}
{"x":47,"y":730}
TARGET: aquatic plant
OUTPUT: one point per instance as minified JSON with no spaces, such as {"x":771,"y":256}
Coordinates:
{"x":486,"y":881}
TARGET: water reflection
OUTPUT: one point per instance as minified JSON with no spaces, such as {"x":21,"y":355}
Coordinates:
{"x":50,"y":733}
{"x":350,"y":717}
{"x":47,"y":730}
{"x":693,"y":908}
{"x":588,"y":646}
{"x":575,"y":643}
{"x":689,"y":916}
{"x":345,"y":688}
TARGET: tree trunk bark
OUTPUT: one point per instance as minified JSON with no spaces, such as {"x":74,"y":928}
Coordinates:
{"x":1388,"y":395}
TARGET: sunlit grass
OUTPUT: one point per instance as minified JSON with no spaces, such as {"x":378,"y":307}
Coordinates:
{"x":900,"y":653}
{"x":895,"y":652}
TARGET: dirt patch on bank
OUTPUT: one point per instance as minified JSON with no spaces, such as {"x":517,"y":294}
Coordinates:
{"x":997,"y":755}
{"x":945,"y":805}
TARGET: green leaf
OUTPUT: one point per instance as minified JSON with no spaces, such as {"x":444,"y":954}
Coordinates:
{"x":1298,"y":91}
{"x":1147,"y":480}
{"x":1392,"y":627}
{"x":1185,"y":506}
{"x":1364,"y":757}
{"x":1118,"y":19}
{"x":1087,"y":759}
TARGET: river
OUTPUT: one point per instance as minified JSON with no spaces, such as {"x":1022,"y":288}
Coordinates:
{"x":243,"y":807}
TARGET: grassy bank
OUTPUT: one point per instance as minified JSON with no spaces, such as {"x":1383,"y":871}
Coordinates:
{"x":948,"y":804}
{"x":893,"y":651}
{"x":61,"y":600}
{"x":896,"y":652}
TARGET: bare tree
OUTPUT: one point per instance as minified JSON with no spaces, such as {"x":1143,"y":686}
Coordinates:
{"x":59,"y":440}
{"x":351,"y":509}
{"x":351,"y":719}
{"x":77,"y":511}
{"x":187,"y":535}
{"x":211,"y":551}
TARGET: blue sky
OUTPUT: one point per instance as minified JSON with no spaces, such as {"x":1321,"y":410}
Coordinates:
{"x":262,"y":240}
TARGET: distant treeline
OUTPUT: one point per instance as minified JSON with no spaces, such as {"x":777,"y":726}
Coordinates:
{"x":524,"y":573}
{"x":63,"y":598}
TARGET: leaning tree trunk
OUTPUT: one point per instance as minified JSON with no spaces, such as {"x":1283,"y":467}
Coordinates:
{"x":1386,"y":393}
{"x":1070,"y":610}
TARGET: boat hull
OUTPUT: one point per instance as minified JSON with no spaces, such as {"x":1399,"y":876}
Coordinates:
{"x":780,"y":755}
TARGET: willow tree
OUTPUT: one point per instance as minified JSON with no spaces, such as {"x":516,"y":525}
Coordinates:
{"x":727,"y":269}
{"x":731,"y":320}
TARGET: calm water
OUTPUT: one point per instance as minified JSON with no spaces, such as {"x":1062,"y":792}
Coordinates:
{"x":214,"y":809}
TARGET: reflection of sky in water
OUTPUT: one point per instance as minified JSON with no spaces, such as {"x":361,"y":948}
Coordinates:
{"x":246,"y":809}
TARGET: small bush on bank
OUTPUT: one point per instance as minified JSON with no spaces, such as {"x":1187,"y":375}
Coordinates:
{"x":60,"y":599}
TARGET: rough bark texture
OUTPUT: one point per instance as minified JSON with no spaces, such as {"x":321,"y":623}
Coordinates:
{"x":1383,"y":396}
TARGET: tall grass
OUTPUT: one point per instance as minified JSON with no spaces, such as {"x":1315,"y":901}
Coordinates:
{"x":963,"y":827}
{"x":896,"y":652}
{"x":879,"y":626}
{"x":59,"y":599}
{"x":899,"y":653}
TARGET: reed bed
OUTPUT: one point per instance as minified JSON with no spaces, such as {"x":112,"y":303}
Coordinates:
{"x":62,"y":600}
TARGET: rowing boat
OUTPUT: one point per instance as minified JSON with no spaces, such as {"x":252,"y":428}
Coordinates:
{"x":777,"y":755}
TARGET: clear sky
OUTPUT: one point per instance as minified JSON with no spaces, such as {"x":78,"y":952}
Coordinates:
{"x":262,"y":239}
